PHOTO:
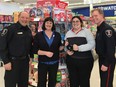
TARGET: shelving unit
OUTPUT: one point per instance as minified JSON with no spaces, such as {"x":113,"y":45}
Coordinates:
{"x":112,"y":22}
{"x":64,"y":76}
{"x":33,"y":69}
{"x":5,"y":20}
{"x":32,"y":83}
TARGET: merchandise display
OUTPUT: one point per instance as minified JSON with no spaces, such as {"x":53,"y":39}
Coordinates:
{"x":5,"y":20}
{"x":33,"y":75}
{"x":112,"y":22}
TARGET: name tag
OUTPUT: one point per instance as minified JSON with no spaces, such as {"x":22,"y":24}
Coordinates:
{"x":20,"y":33}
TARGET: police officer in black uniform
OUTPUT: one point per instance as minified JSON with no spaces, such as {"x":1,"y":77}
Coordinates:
{"x":105,"y":48}
{"x":16,"y":44}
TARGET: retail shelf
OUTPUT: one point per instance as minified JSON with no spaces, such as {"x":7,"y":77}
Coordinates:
{"x":32,"y":83}
{"x":62,"y":67}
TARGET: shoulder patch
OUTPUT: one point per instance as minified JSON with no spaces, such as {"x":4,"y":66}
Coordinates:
{"x":4,"y":32}
{"x":108,"y":33}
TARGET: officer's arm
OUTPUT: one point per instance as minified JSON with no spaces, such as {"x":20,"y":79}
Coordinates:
{"x":36,"y":44}
{"x":31,"y":53}
{"x":3,"y":45}
{"x":31,"y":50}
{"x":109,"y":44}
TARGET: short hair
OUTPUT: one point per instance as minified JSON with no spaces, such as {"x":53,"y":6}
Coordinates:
{"x":98,"y":10}
{"x":21,"y":13}
{"x":36,"y":29}
{"x":33,"y":24}
{"x":51,"y":20}
{"x":79,"y":20}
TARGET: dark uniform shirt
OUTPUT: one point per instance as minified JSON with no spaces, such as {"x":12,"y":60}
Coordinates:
{"x":16,"y":41}
{"x":105,"y":43}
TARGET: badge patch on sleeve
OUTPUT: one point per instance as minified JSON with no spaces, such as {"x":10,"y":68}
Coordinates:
{"x":108,"y":33}
{"x":4,"y":32}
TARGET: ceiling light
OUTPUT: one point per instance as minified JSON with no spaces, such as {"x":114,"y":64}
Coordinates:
{"x":63,"y":0}
{"x":75,"y":4}
{"x":7,"y":0}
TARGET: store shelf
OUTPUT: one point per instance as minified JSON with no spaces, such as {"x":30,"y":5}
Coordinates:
{"x":32,"y":83}
{"x":64,"y":76}
{"x":62,"y":67}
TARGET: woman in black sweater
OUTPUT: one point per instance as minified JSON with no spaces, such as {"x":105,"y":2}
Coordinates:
{"x":47,"y":44}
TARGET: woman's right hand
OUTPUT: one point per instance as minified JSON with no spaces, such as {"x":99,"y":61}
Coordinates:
{"x":49,"y":54}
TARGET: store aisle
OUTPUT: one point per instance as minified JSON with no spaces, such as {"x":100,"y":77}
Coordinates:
{"x":95,"y":80}
{"x":94,"y":77}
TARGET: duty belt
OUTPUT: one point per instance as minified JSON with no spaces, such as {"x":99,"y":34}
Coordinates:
{"x":19,"y":58}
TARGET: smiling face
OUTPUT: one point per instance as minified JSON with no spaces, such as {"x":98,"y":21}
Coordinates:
{"x":98,"y":17}
{"x":76,"y":24}
{"x":48,"y":25}
{"x":24,"y":18}
{"x":33,"y":27}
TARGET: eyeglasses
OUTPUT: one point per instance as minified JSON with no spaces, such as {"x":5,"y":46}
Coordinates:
{"x":75,"y":21}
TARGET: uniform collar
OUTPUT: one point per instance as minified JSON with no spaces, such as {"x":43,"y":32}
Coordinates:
{"x":101,"y":25}
{"x":20,"y":26}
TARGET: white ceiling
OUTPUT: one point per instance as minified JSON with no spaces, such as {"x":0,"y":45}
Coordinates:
{"x":72,"y":3}
{"x":33,"y":1}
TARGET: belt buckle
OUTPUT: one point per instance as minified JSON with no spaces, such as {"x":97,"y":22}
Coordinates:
{"x":23,"y":57}
{"x":13,"y":58}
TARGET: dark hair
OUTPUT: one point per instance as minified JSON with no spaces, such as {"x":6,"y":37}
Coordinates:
{"x":36,"y":29}
{"x":79,"y":20}
{"x":32,"y":24}
{"x":48,"y":19}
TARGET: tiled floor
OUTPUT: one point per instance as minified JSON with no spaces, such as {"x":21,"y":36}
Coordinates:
{"x":1,"y":77}
{"x":94,"y":77}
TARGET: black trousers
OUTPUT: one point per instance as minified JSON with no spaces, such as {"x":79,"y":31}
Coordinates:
{"x":43,"y":71}
{"x":79,"y":71}
{"x":107,"y":76}
{"x":19,"y":73}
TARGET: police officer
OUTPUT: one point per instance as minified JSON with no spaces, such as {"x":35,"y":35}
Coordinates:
{"x":16,"y":47}
{"x":105,"y":48}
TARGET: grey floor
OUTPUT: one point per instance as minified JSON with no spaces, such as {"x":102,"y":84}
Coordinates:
{"x":94,"y":76}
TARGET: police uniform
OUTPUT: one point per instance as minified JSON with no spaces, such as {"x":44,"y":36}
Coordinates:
{"x":16,"y":43}
{"x":105,"y":48}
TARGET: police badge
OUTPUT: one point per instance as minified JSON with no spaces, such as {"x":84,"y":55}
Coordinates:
{"x":108,"y":33}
